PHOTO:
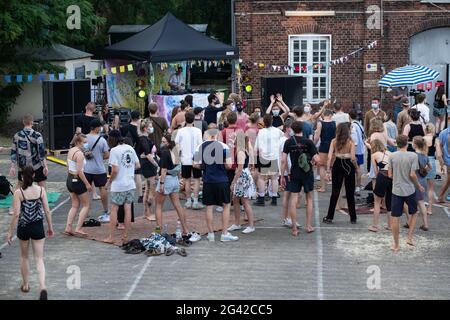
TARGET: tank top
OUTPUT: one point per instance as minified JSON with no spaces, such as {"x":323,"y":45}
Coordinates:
{"x":327,"y":134}
{"x":432,"y":148}
{"x":72,"y":165}
{"x":30,"y":210}
{"x":382,"y":165}
{"x":247,"y":160}
{"x":416,"y":130}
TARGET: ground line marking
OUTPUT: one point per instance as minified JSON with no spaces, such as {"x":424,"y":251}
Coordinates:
{"x":138,"y":279}
{"x":319,"y":247}
{"x":51,"y":212}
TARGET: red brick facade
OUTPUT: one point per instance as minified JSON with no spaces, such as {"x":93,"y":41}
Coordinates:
{"x":262,"y":32}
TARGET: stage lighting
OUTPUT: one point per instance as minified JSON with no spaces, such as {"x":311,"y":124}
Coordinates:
{"x":142,"y":94}
{"x":249,"y":88}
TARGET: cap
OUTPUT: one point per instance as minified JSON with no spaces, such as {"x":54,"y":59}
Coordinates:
{"x":405,"y":102}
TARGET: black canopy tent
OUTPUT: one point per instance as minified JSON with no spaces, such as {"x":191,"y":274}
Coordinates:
{"x":170,"y":40}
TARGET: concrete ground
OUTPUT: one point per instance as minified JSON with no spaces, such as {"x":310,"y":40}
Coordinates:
{"x":339,"y":261}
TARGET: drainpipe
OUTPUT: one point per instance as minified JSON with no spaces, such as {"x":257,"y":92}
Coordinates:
{"x":233,"y":43}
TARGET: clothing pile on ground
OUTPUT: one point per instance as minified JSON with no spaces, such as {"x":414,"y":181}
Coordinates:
{"x":159,"y":244}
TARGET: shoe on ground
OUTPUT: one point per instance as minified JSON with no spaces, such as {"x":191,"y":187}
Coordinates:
{"x":188,"y":204}
{"x":234,"y":228}
{"x":249,"y":230}
{"x":104,"y":218}
{"x":228,"y":237}
{"x":317,"y":178}
{"x":198,"y":206}
{"x":219,"y":209}
{"x":195,"y":237}
{"x":211,"y":237}
{"x":43,"y":295}
{"x":288,"y":223}
{"x":260,"y":202}
{"x":274,"y":201}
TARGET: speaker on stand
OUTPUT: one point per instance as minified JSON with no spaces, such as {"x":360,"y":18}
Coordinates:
{"x":291,"y":87}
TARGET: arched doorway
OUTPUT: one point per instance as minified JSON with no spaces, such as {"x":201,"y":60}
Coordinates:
{"x":431,"y":48}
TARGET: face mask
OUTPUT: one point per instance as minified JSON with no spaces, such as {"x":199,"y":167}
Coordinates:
{"x":292,"y":133}
{"x":86,"y":146}
{"x":259,"y":114}
{"x":307,"y":109}
{"x":276,"y":113}
{"x":233,"y":107}
{"x":375,"y":106}
{"x":151,"y":130}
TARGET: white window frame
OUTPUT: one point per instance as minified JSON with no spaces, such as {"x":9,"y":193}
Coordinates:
{"x":309,"y":91}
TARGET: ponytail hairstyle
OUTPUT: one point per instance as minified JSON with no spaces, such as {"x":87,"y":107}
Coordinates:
{"x":27,"y":177}
{"x":420,"y":144}
{"x":171,"y":143}
{"x":77,"y":139}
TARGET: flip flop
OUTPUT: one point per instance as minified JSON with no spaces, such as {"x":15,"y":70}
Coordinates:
{"x":373,"y":229}
{"x":169,"y":252}
{"x":22,"y":288}
{"x":423,"y":228}
{"x":79,"y":234}
{"x":152,"y":253}
{"x":410,"y":244}
{"x":68,"y":234}
{"x":182,"y":252}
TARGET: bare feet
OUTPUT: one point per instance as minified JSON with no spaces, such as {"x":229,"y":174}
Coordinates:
{"x":295,"y":233}
{"x":81,"y":233}
{"x":310,"y":229}
{"x":321,"y":190}
{"x":68,"y":233}
{"x":109,"y":240}
{"x":409,"y":242}
{"x":430,"y":213}
{"x":120,"y":227}
{"x":373,"y":229}
{"x":395,"y":248}
{"x":387,"y":228}
{"x":150,"y":218}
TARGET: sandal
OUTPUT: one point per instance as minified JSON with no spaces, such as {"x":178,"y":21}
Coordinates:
{"x":153,"y":253}
{"x":169,"y":252}
{"x":91,"y":223}
{"x":423,"y":228}
{"x":69,"y":234}
{"x":181,"y":251}
{"x":406,"y":226}
{"x":22,"y":288}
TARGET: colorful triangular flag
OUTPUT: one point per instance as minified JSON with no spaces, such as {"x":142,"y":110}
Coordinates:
{"x":122,"y":69}
{"x":41,"y":77}
{"x":113,"y":70}
{"x":61,"y":76}
{"x":130,"y":67}
{"x":30,"y":78}
{"x":19,"y":78}
{"x":51,"y":77}
{"x":7,"y":78}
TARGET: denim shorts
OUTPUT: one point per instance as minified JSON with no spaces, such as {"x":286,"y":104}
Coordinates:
{"x":432,"y":174}
{"x":360,"y":159}
{"x":171,"y":185}
{"x":120,"y":198}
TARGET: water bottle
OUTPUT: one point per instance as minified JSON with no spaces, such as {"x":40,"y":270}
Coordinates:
{"x":166,"y":229}
{"x":178,"y":230}
{"x":158,"y":230}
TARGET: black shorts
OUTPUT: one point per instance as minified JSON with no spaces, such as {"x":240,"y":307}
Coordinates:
{"x":75,"y":185}
{"x":383,"y":189}
{"x":99,"y":180}
{"x":188,"y":172}
{"x":296,"y":186}
{"x":38,"y":175}
{"x":34,"y":231}
{"x":216,"y":194}
{"x":231,"y":174}
{"x":398,"y":203}
{"x":148,"y":170}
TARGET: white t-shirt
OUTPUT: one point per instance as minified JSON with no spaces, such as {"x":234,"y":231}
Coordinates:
{"x":288,"y":169}
{"x":341,"y":117}
{"x":176,"y":80}
{"x":424,"y":112}
{"x":188,"y":139}
{"x":124,"y":158}
{"x":268,"y":143}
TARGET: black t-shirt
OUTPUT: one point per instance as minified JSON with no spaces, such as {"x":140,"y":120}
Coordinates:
{"x":130,"y":133}
{"x":144,"y":146}
{"x":166,"y":159}
{"x":84,"y":122}
{"x":295,"y":146}
{"x":277,"y":121}
{"x":211,"y":114}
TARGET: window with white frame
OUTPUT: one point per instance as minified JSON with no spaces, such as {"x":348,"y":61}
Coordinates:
{"x":305,"y":52}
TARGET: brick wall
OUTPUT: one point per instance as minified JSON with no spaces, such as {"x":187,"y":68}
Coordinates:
{"x":262,"y":32}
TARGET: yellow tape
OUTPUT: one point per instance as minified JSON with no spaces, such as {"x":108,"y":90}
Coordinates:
{"x":56,"y":160}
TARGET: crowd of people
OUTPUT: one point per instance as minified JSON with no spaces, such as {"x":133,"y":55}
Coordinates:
{"x":225,"y":156}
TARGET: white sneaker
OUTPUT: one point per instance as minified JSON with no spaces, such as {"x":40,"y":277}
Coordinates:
{"x":228,"y":237}
{"x":317,"y":178}
{"x":357,"y":190}
{"x":188,"y":204}
{"x":288,"y":223}
{"x":211,"y":237}
{"x":249,"y":230}
{"x":195,"y":237}
{"x":234,"y":228}
{"x":198,"y":206}
{"x":104,"y":218}
{"x":219,"y":209}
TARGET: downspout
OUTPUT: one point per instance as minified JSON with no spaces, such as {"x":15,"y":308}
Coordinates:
{"x":233,"y":43}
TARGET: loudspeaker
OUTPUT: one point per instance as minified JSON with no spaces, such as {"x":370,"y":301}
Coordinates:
{"x":291,"y":87}
{"x":63,"y":101}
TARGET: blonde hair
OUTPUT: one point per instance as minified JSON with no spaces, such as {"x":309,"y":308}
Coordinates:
{"x":430,"y":128}
{"x":376,"y":125}
{"x":77,"y":139}
{"x":377,"y":146}
{"x":145,"y":124}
